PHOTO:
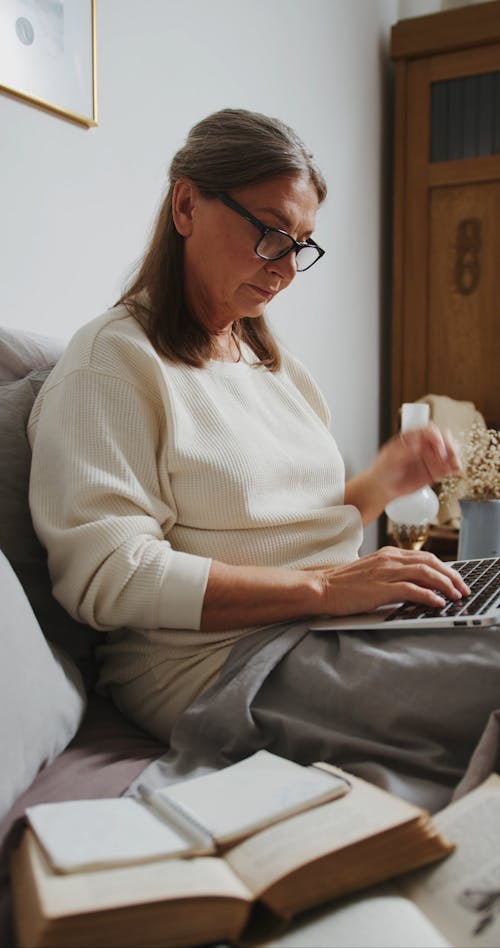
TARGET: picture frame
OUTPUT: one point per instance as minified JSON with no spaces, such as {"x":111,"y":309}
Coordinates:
{"x":48,"y":56}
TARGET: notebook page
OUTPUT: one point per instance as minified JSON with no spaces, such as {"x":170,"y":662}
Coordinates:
{"x":253,"y":793}
{"x":89,"y":834}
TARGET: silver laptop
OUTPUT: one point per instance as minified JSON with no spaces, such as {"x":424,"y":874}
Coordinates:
{"x":482,"y":607}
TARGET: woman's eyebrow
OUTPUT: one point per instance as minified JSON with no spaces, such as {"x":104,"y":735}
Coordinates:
{"x":280,"y":216}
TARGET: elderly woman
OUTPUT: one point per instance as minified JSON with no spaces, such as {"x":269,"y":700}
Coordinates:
{"x":185,"y":482}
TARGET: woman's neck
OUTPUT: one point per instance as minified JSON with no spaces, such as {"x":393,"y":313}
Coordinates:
{"x":225,"y":346}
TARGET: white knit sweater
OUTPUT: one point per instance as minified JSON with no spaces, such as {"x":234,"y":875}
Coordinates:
{"x":143,"y":470}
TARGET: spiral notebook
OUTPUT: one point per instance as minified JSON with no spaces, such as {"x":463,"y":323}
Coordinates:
{"x":481,"y":608}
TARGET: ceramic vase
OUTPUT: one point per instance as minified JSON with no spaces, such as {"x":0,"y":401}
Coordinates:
{"x":479,"y":529}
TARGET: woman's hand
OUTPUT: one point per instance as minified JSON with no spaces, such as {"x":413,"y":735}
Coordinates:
{"x":388,"y":576}
{"x":238,"y":596}
{"x":406,"y":462}
{"x":412,"y":459}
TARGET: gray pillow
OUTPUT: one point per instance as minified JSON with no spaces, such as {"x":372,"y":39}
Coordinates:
{"x":42,"y":696}
{"x":21,"y":351}
{"x":17,"y":536}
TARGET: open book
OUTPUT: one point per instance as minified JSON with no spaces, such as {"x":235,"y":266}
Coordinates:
{"x":453,"y":903}
{"x":196,"y":817}
{"x":251,"y":889}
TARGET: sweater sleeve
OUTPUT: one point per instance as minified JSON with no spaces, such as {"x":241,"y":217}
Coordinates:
{"x":98,"y":508}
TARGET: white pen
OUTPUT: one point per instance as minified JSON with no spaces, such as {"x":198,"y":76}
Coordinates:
{"x":179,"y":818}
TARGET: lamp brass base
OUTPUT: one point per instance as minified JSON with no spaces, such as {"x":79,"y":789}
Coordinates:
{"x":410,"y":536}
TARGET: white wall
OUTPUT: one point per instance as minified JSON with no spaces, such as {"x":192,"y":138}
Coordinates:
{"x":77,"y":204}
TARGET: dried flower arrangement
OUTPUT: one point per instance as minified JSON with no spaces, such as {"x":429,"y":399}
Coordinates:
{"x":480,"y":475}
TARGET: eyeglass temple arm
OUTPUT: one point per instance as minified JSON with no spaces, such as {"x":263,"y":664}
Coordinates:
{"x":242,"y":212}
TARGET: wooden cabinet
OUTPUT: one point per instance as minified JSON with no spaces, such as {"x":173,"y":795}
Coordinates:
{"x":445,"y":324}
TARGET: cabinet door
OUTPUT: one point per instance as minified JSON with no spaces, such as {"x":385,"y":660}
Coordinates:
{"x":463,"y":335}
{"x":446,"y":300}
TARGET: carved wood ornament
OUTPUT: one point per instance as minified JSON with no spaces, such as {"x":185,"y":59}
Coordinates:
{"x":467,"y":269}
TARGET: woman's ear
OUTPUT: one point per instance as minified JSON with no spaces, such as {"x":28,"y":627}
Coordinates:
{"x":184,"y":197}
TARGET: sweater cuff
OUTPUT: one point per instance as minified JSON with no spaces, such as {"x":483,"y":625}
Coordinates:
{"x":183,"y":590}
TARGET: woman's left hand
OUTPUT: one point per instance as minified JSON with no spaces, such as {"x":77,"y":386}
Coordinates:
{"x":412,"y":459}
{"x":408,"y":461}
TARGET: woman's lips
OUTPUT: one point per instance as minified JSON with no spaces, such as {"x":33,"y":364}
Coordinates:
{"x":263,"y":293}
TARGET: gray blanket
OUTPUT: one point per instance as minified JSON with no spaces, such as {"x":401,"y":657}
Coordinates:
{"x":414,"y":712}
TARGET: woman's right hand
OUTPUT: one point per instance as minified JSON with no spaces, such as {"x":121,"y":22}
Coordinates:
{"x":389,"y":575}
{"x":243,"y":596}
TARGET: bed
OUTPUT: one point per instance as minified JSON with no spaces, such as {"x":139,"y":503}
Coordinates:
{"x":418,"y":715}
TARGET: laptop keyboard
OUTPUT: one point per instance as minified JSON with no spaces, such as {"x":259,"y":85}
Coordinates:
{"x":483,"y":580}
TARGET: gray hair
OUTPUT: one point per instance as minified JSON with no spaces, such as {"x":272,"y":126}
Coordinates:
{"x":229,"y":149}
{"x":234,"y":148}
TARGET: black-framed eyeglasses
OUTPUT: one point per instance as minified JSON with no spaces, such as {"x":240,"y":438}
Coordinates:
{"x":273,"y":243}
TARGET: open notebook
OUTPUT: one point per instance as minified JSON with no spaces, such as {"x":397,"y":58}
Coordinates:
{"x":482,"y":607}
{"x":195,"y":817}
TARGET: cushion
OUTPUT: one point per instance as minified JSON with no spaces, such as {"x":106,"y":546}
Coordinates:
{"x":106,"y":755}
{"x":17,"y":536}
{"x":21,"y":352}
{"x":42,"y":696}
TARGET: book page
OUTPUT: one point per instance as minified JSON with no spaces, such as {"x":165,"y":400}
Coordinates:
{"x":123,"y":886}
{"x":255,"y":792}
{"x":89,"y":834}
{"x":461,"y":895}
{"x":275,"y":852}
{"x":379,"y":919}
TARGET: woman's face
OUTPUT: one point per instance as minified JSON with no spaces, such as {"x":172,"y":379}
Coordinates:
{"x":224,"y":278}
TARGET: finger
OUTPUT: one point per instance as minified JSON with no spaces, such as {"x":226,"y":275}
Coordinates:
{"x":457,"y":579}
{"x":435,"y":563}
{"x":426,"y":568}
{"x":441,"y":453}
{"x":435,"y":455}
{"x":450,"y":451}
{"x":444,"y":580}
{"x":453,"y":450}
{"x":432,"y":560}
{"x":412,"y":592}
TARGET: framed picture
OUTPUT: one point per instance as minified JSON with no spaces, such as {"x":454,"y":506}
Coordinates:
{"x":48,"y":55}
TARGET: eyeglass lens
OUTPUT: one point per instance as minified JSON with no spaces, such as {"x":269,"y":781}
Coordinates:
{"x":274,"y":245}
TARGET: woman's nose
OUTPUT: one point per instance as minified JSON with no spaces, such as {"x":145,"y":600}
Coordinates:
{"x":285,"y":267}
